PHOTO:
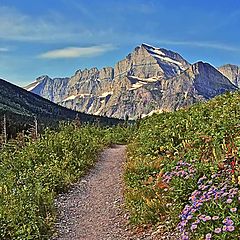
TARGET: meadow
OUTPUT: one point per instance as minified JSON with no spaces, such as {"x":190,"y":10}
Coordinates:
{"x":183,"y":170}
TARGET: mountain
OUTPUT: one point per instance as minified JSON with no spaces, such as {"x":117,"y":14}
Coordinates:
{"x":15,"y":101}
{"x":232,"y":72}
{"x":149,"y":79}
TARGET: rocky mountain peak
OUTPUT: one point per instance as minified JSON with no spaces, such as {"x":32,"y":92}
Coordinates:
{"x":42,"y":78}
{"x":208,"y":81}
{"x":200,"y":67}
{"x":232,"y":72}
{"x":171,"y":62}
{"x":148,"y":79}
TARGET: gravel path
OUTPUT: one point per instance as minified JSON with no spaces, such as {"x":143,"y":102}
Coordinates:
{"x":93,"y":208}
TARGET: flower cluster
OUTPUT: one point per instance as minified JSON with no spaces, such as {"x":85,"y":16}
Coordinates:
{"x":182,"y":169}
{"x":208,"y":191}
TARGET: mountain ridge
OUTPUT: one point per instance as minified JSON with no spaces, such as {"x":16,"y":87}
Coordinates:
{"x":22,"y":104}
{"x":136,"y":85}
{"x":232,"y":72}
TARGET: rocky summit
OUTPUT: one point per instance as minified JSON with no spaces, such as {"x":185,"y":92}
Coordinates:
{"x":148,"y":80}
{"x":232,"y":72}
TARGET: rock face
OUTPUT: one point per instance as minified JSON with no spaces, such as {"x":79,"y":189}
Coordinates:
{"x":51,"y":89}
{"x":148,"y":80}
{"x":232,"y":72}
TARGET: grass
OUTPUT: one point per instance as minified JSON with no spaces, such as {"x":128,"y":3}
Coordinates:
{"x":169,"y":155}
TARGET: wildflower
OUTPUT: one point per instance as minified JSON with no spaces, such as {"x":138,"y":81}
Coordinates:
{"x":227,"y":221}
{"x":230,"y":228}
{"x":233,"y":191}
{"x":207,"y":218}
{"x":196,"y":222}
{"x":193,"y":227}
{"x":208,"y":236}
{"x":224,"y":194}
{"x":184,"y":237}
{"x":233,"y":210}
{"x":202,"y":217}
{"x":215,"y":218}
{"x":201,"y":179}
{"x":229,"y":200}
{"x":217,"y":230}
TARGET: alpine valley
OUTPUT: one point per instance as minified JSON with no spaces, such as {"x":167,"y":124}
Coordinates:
{"x":148,"y":80}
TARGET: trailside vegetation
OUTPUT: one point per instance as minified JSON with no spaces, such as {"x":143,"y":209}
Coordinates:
{"x":183,"y":170}
{"x":32,"y":172}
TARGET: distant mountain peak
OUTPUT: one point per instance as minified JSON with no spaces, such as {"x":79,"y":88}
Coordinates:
{"x":42,"y":78}
{"x":232,"y":72}
{"x":147,"y":79}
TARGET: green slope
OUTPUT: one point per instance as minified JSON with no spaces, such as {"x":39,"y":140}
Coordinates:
{"x":21,"y":106}
{"x":170,"y":154}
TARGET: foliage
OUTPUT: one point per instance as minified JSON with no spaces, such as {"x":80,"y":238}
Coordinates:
{"x":171,"y":153}
{"x":119,"y":134}
{"x":33,"y":172}
{"x":31,"y":176}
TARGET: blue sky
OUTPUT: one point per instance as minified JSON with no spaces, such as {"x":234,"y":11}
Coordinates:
{"x":58,"y":37}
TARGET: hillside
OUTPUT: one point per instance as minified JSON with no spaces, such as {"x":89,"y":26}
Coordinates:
{"x":148,"y":80}
{"x":22,"y":105}
{"x":183,"y":171}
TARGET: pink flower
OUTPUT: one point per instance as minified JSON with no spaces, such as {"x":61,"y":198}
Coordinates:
{"x":230,"y":228}
{"x":193,"y":227}
{"x":215,"y":218}
{"x":207,"y":218}
{"x":217,"y":230}
{"x":233,"y":210}
{"x":208,"y":236}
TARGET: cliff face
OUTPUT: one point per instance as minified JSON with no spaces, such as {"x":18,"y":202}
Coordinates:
{"x":232,"y":72}
{"x":149,"y":79}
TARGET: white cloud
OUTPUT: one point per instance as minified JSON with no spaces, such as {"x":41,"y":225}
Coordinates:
{"x":75,"y":52}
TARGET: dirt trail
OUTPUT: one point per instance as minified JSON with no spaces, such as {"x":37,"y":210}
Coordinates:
{"x":92,"y":209}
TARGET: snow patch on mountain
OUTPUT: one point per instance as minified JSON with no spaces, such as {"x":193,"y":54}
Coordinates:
{"x":159,"y":54}
{"x":32,"y":87}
